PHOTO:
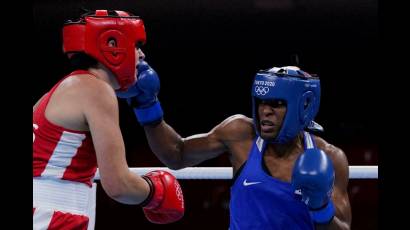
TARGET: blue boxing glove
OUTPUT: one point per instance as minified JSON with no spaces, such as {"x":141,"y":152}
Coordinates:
{"x":312,"y":180}
{"x":142,"y":96}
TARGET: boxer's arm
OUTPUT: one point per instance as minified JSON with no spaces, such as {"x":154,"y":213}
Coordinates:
{"x":343,"y":216}
{"x":177,"y":152}
{"x":101,"y":113}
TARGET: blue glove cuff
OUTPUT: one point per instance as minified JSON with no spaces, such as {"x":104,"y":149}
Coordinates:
{"x":149,"y":115}
{"x":323,"y":215}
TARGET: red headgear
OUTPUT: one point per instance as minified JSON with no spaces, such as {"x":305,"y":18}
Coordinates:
{"x":92,"y":34}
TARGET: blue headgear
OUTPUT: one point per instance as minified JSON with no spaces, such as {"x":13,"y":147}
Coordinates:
{"x":298,"y":89}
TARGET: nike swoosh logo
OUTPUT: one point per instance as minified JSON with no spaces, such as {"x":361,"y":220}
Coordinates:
{"x":298,"y":192}
{"x":245,"y":183}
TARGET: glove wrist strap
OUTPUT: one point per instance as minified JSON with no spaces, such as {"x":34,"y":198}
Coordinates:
{"x":151,"y":115}
{"x":324,"y":215}
{"x":151,"y":192}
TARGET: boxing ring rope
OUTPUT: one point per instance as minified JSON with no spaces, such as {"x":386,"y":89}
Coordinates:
{"x":223,"y":173}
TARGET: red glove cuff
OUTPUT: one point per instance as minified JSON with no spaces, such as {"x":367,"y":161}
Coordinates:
{"x":156,"y":194}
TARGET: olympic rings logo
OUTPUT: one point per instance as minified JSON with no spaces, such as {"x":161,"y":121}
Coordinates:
{"x":261,"y":90}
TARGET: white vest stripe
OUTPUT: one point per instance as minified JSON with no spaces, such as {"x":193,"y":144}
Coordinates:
{"x":42,"y":218}
{"x":64,"y":152}
{"x":259,"y":143}
{"x":308,"y":141}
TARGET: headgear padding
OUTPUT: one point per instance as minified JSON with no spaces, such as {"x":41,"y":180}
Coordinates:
{"x":92,"y":34}
{"x":301,"y":92}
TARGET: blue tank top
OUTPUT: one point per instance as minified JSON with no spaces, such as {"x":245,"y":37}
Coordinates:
{"x":259,"y":201}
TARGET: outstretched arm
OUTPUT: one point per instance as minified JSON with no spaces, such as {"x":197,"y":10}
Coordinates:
{"x":173,"y":150}
{"x":177,"y":152}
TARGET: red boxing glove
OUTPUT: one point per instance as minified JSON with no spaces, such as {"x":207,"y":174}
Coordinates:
{"x":165,"y":203}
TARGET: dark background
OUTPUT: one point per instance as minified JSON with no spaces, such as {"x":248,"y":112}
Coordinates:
{"x":206,"y":53}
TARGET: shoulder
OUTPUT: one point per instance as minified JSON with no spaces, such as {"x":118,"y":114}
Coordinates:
{"x":339,"y":160}
{"x":87,"y":83}
{"x":237,"y":126}
{"x":90,"y":96}
{"x":238,"y":120}
{"x":337,"y":155}
{"x":88,"y":89}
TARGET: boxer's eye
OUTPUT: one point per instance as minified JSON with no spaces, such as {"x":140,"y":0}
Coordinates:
{"x":275,"y":103}
{"x":139,"y":44}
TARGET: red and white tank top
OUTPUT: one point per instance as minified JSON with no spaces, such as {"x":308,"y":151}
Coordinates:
{"x":61,"y":153}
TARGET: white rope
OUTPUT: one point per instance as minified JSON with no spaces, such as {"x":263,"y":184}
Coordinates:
{"x":221,"y":173}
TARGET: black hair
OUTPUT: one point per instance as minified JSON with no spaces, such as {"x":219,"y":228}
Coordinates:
{"x":82,"y":61}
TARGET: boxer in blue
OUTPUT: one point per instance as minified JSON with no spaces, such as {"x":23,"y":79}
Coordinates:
{"x":284,"y":176}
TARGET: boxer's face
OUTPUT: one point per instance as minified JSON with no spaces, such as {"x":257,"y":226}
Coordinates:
{"x":139,"y":55}
{"x":271,"y":114}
